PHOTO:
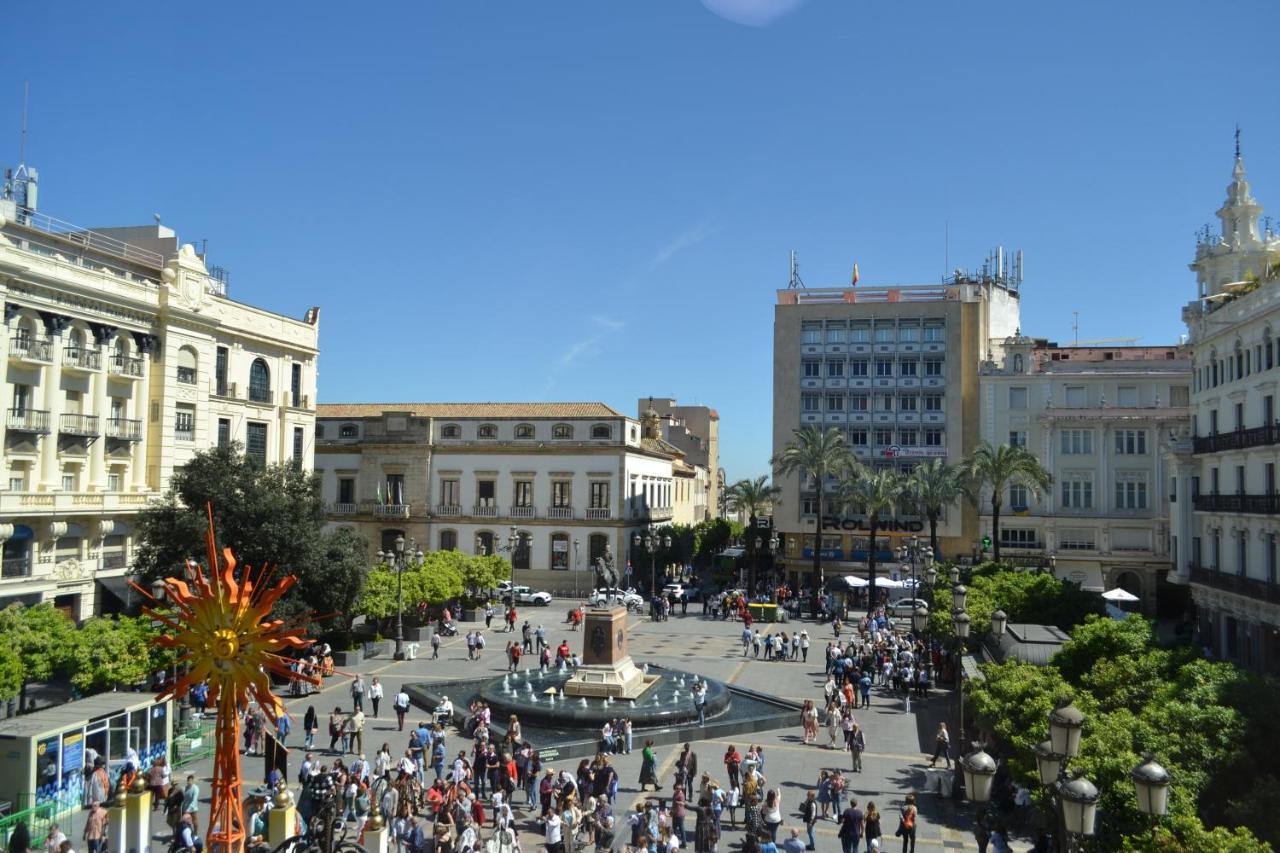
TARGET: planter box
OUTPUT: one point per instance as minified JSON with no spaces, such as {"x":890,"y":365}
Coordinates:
{"x":468,"y":614}
{"x":417,"y":635}
{"x":379,"y":649}
{"x":767,"y":613}
{"x":345,"y":659}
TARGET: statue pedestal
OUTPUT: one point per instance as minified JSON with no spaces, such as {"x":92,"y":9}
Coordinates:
{"x":607,"y":668}
{"x":281,"y":822}
{"x":376,"y":840}
{"x":118,"y":829}
{"x":137,"y":813}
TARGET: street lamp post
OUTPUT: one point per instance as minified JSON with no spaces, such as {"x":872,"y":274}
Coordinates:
{"x":575,"y":567}
{"x":398,"y":557}
{"x":651,"y":540}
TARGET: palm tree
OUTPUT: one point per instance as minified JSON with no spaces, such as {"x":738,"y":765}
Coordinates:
{"x":816,"y":454}
{"x":875,"y":494}
{"x":755,"y":496}
{"x":933,"y":487}
{"x":1000,"y":467}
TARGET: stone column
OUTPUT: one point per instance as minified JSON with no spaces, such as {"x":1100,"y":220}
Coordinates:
{"x":98,"y":406}
{"x":138,"y":474}
{"x":50,"y":478}
{"x":138,"y":817}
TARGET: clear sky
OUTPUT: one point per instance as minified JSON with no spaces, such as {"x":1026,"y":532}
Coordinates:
{"x":595,"y":199}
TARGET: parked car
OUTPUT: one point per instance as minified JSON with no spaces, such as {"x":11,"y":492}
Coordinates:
{"x":905,"y":606}
{"x":524,"y":595}
{"x":628,"y":598}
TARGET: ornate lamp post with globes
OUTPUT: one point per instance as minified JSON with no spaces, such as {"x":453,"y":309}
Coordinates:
{"x":651,"y":541}
{"x":398,"y":557}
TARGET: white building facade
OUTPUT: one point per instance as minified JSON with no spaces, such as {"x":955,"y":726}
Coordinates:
{"x":1228,"y":516}
{"x":1096,"y":417}
{"x":551,"y":486}
{"x":123,"y":357}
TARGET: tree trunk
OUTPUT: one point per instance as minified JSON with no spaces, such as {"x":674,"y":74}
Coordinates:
{"x":933,"y":535}
{"x":995,"y":529}
{"x":874,"y":520}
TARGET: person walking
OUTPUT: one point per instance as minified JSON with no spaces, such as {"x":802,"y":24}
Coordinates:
{"x":190,"y":803}
{"x":95,"y":828}
{"x":435,"y":644}
{"x":401,"y":705}
{"x":357,"y":731}
{"x":907,"y":824}
{"x":375,"y":695}
{"x":488,"y":615}
{"x":851,"y":823}
{"x":857,"y":744}
{"x":310,"y":725}
{"x":357,"y":692}
{"x":649,"y":767}
{"x":942,"y":746}
{"x":809,"y":813}
{"x":871,"y":828}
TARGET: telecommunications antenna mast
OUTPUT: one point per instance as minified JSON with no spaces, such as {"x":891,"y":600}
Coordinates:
{"x":795,"y":280}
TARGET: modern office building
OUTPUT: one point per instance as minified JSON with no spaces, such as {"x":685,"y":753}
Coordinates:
{"x":1096,"y":417}
{"x":895,"y":369}
{"x":1227,"y":516}
{"x":549,"y":485}
{"x":124,"y":355}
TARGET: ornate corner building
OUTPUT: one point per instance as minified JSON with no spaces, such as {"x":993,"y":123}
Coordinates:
{"x":123,"y":357}
{"x":1226,"y":509}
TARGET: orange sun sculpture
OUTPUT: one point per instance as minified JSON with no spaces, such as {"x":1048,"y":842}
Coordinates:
{"x":223,"y":631}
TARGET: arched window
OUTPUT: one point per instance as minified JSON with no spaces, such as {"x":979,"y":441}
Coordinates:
{"x":448,"y":540}
{"x":187,"y":366}
{"x":524,"y":431}
{"x":484,"y":543}
{"x":560,"y":551}
{"x":562,"y":431}
{"x":523,"y":549}
{"x":597,"y":543}
{"x":487,"y":431}
{"x":348,"y":431}
{"x":601,"y":431}
{"x":259,"y":382}
{"x":451,"y":431}
{"x":389,"y":540}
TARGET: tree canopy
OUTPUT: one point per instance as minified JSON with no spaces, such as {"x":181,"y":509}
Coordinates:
{"x":1201,"y":719}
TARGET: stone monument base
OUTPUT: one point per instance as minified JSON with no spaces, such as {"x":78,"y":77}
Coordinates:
{"x":619,"y":680}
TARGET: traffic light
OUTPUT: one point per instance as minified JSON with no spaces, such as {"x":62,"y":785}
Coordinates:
{"x":986,"y":543}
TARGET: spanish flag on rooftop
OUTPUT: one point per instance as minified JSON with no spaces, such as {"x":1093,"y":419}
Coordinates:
{"x":855,"y":276}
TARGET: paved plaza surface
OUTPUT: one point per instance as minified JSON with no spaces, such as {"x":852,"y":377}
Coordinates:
{"x":895,"y":763}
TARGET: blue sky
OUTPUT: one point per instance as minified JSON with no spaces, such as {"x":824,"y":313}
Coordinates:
{"x":589,"y":200}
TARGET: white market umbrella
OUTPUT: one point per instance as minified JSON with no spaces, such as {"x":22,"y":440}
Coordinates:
{"x":854,"y":581}
{"x":1119,"y":594}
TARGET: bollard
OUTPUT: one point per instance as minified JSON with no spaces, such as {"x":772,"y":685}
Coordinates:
{"x":137,"y":820}
{"x":282,"y":818}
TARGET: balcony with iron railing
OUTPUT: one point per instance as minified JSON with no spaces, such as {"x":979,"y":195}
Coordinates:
{"x":28,"y":420}
{"x":521,"y":512}
{"x":15,"y":567}
{"x":342,"y":508}
{"x":126,"y":429}
{"x":31,"y":349}
{"x":390,"y":510}
{"x":114,"y":560}
{"x":86,"y":425}
{"x":599,"y":513}
{"x":485,"y":510}
{"x":81,"y":358}
{"x":447,"y":509}
{"x":560,"y":513}
{"x":125,"y":365}
{"x":1255,"y":588}
{"x":1241,"y":439}
{"x":1240,"y":503}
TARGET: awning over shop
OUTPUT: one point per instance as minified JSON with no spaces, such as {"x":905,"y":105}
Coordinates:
{"x":732,"y":553}
{"x":119,"y":587}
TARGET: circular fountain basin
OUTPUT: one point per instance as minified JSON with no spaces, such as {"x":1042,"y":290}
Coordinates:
{"x":668,"y":700}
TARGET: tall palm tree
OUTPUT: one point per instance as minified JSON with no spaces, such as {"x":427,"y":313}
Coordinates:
{"x":998,"y":468}
{"x":875,"y":494}
{"x":933,"y":487}
{"x":755,"y":496}
{"x":816,"y":454}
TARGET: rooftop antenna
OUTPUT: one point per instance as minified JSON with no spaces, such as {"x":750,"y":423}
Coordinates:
{"x":1075,"y":328}
{"x":946,"y":248}
{"x":795,"y":280}
{"x":22,"y":145}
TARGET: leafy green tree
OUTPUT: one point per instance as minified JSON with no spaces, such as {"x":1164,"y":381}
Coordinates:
{"x":42,"y":637}
{"x":481,"y":574}
{"x":11,"y":680}
{"x":267,"y":515}
{"x":756,"y":497}
{"x":933,"y":487}
{"x":814,"y":453}
{"x":330,"y":588}
{"x":998,"y":468}
{"x":110,"y":651}
{"x":875,"y":494}
{"x":1102,"y":638}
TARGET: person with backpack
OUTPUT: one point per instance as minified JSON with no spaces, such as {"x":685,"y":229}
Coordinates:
{"x":907,"y":824}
